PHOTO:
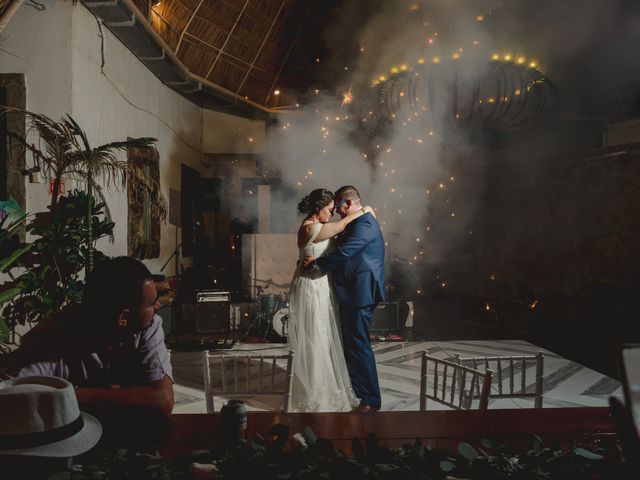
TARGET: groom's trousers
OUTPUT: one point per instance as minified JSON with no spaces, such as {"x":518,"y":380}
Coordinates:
{"x":358,"y":354}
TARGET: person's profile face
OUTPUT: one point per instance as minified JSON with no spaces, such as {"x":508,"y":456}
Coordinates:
{"x":148,"y":306}
{"x":325,"y":213}
{"x":342,"y":206}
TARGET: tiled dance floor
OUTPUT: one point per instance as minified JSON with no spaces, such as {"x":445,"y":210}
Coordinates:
{"x":566,"y":383}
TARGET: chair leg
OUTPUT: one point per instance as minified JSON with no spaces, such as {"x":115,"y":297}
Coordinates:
{"x":289,"y":380}
{"x":206,"y":374}
{"x":539,"y":379}
{"x":423,"y":383}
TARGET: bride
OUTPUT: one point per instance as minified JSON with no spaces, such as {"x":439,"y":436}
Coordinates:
{"x":320,"y":378}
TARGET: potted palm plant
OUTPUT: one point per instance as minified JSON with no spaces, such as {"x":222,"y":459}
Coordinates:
{"x":62,"y":149}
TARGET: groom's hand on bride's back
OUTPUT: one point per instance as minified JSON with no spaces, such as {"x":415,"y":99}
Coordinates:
{"x":308,"y":264}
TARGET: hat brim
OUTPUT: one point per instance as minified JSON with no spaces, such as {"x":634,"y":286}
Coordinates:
{"x":77,"y":444}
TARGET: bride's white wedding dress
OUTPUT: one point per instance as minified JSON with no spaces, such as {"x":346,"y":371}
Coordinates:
{"x":320,"y":378}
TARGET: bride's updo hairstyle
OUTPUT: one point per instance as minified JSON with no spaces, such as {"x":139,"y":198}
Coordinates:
{"x":316,"y":200}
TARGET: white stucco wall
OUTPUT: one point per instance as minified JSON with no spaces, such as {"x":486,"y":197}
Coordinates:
{"x":126,"y":100}
{"x":225,"y":133}
{"x":62,"y":71}
{"x":43,"y":59}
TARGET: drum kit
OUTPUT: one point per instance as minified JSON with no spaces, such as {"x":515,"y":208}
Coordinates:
{"x":274,"y":310}
{"x":272,"y":320}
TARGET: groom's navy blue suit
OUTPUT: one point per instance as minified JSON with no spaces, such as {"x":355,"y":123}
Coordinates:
{"x":357,"y":266}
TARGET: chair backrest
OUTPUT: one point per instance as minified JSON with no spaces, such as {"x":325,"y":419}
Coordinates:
{"x":510,"y":379}
{"x":453,"y":385}
{"x":249,"y":374}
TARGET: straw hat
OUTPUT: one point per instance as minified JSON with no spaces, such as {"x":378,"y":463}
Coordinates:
{"x":39,"y":416}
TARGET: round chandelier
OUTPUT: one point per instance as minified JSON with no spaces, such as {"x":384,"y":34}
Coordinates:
{"x":496,"y":102}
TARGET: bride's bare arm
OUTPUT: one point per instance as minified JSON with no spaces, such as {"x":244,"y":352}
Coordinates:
{"x":331,"y":229}
{"x":304,"y":233}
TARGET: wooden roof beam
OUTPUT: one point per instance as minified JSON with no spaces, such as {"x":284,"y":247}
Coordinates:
{"x":193,"y":15}
{"x":226,"y":40}
{"x":264,"y":40}
{"x":286,"y":57}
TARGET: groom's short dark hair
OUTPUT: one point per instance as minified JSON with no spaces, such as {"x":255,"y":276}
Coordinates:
{"x":348,"y":192}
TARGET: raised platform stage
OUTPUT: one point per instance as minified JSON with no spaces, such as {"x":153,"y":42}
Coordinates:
{"x":566,"y":383}
{"x":557,"y":427}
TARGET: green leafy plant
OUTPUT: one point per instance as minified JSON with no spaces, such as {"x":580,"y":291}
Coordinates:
{"x":92,"y":163}
{"x":306,"y":457}
{"x":10,"y":252}
{"x":54,"y":261}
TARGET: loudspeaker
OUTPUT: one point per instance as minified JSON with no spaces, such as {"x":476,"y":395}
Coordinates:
{"x":386,"y":318}
{"x":209,"y":194}
{"x":210,"y":317}
{"x":241,"y":314}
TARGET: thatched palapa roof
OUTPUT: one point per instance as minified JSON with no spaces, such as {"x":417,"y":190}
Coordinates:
{"x":240,"y":45}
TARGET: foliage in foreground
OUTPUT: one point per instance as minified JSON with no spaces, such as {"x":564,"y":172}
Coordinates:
{"x":308,"y":457}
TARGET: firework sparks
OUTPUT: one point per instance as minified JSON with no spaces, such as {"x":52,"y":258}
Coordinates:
{"x":347,"y":97}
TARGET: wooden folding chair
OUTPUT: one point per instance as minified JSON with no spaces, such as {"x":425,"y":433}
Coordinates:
{"x":237,"y":376}
{"x":510,"y":380}
{"x":454,"y":385}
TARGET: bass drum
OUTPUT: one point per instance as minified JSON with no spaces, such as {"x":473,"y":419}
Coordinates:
{"x":281,"y":322}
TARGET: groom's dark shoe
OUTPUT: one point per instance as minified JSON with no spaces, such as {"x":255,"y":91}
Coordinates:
{"x":363,"y":408}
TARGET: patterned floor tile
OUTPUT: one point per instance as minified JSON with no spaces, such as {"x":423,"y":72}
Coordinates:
{"x":566,"y":383}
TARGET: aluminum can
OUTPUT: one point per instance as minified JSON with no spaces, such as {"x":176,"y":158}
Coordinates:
{"x":233,"y":422}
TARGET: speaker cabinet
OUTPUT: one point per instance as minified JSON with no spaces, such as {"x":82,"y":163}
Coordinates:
{"x":211,"y":317}
{"x":209,"y":194}
{"x":241,"y":314}
{"x":386,"y":318}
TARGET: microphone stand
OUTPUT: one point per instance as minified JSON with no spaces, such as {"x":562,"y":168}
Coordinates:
{"x":176,"y":254}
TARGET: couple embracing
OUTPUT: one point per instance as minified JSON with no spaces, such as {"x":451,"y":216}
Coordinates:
{"x":337,"y":284}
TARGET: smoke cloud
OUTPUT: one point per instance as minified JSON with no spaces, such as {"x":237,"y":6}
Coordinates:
{"x":423,"y":181}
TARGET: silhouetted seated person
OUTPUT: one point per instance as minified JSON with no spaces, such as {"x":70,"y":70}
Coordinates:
{"x":111,"y":348}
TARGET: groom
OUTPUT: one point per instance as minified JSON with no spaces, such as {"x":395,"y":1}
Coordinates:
{"x":357,"y":264}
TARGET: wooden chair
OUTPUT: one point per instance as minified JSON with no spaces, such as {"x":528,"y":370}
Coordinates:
{"x":510,"y":380}
{"x":454,"y":385}
{"x":244,"y":375}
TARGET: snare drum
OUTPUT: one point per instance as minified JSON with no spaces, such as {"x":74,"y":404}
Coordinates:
{"x":281,"y":322}
{"x":269,"y":303}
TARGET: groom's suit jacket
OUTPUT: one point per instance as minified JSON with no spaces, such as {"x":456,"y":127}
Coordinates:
{"x":357,"y":264}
